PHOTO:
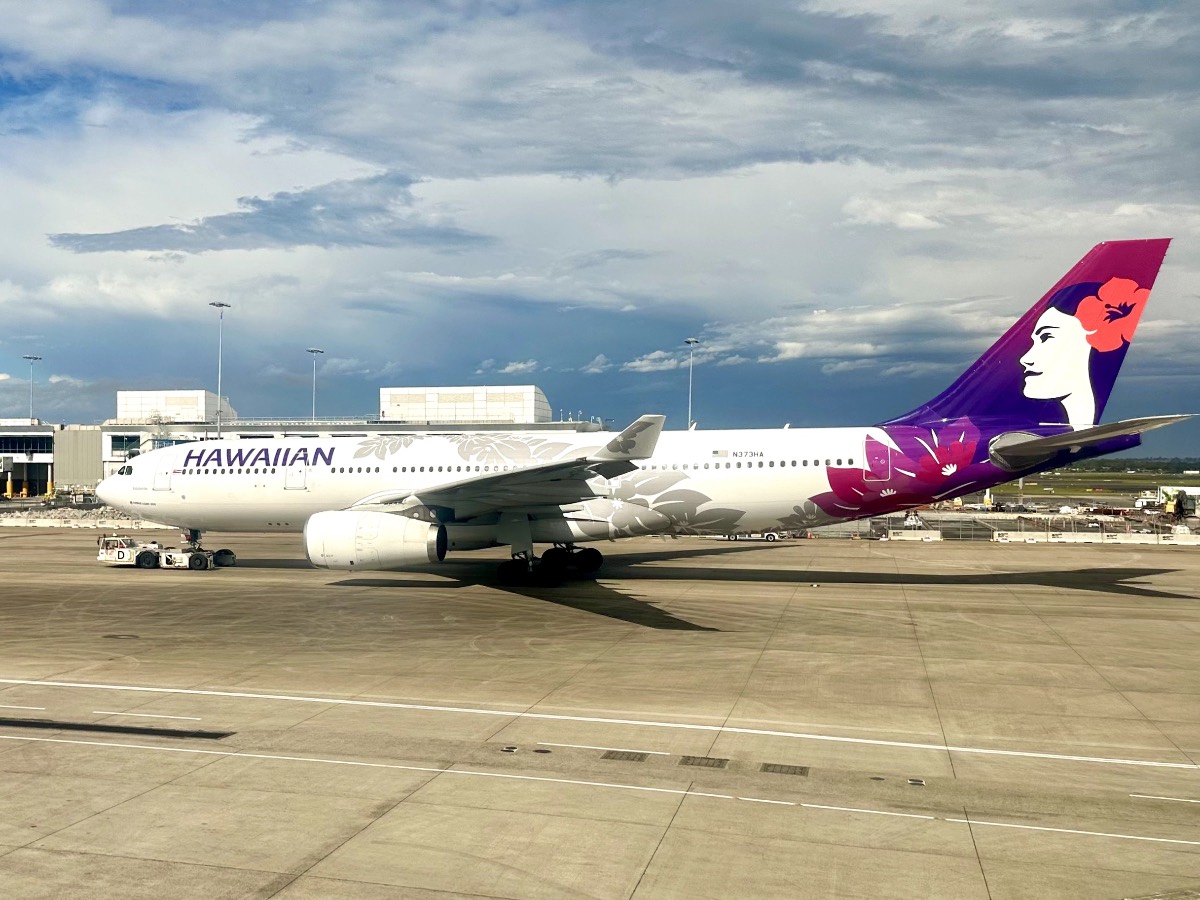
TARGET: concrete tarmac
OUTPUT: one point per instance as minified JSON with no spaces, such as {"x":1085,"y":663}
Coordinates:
{"x":704,"y":719}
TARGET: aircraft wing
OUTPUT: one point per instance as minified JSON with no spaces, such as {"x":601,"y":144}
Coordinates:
{"x":548,"y":484}
{"x":1017,"y":449}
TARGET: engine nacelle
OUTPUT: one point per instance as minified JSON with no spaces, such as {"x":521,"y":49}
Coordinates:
{"x":372,"y":541}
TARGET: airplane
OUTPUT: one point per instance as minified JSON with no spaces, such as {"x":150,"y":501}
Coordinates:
{"x":1032,"y":402}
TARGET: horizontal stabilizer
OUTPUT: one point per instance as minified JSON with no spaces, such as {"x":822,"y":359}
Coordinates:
{"x":1019,"y":449}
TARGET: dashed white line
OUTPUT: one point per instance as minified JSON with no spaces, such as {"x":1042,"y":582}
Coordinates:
{"x":104,"y":712}
{"x":41,"y":708}
{"x":590,"y":747}
{"x":1107,"y":834}
{"x":873,"y":812}
{"x":646,"y":723}
{"x":1153,"y":797}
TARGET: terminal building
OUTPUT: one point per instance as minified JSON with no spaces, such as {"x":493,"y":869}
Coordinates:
{"x":35,"y":456}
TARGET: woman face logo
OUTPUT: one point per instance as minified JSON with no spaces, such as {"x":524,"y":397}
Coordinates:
{"x":1056,"y":366}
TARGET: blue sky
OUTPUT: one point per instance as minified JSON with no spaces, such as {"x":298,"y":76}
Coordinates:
{"x":845,"y":200}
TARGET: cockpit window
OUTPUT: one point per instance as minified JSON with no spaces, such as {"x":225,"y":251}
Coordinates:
{"x":125,"y":470}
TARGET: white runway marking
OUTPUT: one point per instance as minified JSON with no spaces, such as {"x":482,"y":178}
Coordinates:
{"x":1125,"y":837}
{"x":103,"y":712}
{"x":237,"y":754}
{"x":41,"y":708}
{"x":1153,"y":797}
{"x":873,"y":812}
{"x":590,"y":747}
{"x":437,"y":770}
{"x":601,"y":720}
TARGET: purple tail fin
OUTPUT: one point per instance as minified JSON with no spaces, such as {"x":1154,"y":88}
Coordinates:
{"x":1058,"y":363}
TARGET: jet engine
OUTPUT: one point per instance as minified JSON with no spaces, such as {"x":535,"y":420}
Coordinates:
{"x":372,"y":541}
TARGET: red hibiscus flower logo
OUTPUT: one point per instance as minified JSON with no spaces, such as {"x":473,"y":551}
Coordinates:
{"x":1111,"y":317}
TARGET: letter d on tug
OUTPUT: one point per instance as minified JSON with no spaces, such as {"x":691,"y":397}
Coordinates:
{"x":372,"y":541}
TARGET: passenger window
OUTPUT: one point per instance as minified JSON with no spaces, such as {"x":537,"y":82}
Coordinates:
{"x":839,"y":460}
{"x":826,"y":462}
{"x":772,"y":464}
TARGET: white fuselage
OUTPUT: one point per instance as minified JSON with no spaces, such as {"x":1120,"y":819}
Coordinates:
{"x":696,"y":481}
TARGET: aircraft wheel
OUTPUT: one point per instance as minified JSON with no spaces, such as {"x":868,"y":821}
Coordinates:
{"x":556,"y":559}
{"x":147,"y":559}
{"x":197,"y":561}
{"x":512,"y":572}
{"x":545,"y":576}
{"x":770,"y":538}
{"x":224,"y":558}
{"x":588,"y":559}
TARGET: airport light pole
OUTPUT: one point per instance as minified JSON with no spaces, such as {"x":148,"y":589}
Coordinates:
{"x":315,"y":351}
{"x":691,"y":345}
{"x":220,"y":307}
{"x":32,"y":359}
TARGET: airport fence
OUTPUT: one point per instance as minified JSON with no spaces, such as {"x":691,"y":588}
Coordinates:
{"x":1008,"y":528}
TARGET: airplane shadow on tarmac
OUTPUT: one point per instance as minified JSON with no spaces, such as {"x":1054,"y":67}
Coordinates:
{"x":588,"y":595}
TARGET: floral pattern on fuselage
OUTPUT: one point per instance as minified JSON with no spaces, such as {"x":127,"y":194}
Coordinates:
{"x":920,"y":464}
{"x":659,"y":492}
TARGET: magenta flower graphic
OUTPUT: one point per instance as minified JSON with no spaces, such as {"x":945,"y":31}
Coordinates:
{"x":924,"y":463}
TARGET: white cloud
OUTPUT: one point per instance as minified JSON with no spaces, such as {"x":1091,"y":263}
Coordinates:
{"x":600,"y":363}
{"x":418,"y":188}
{"x":520,"y":368}
{"x":658,"y":361}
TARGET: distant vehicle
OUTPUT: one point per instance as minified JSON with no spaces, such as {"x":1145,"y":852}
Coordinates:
{"x":770,"y":536}
{"x":124,"y":550}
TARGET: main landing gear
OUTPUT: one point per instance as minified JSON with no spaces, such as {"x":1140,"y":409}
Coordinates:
{"x":555,"y":564}
{"x":222,"y":559}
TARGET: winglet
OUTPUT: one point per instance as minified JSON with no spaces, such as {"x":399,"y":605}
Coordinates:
{"x":635,"y":442}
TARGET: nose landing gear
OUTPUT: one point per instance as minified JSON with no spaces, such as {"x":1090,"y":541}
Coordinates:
{"x":222,"y":559}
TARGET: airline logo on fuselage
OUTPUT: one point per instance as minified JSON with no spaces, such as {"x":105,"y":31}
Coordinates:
{"x":247,"y":457}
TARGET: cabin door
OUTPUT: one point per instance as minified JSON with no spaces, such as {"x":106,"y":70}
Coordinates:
{"x":877,"y":460}
{"x":295,"y":478}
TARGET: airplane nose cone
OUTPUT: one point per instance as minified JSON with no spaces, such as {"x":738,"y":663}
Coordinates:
{"x":104,"y":492}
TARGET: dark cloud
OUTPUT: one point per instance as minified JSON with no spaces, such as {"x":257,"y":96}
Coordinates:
{"x":371,"y":212}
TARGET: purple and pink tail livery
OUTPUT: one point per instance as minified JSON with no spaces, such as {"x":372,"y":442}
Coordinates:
{"x":1056,"y":366}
